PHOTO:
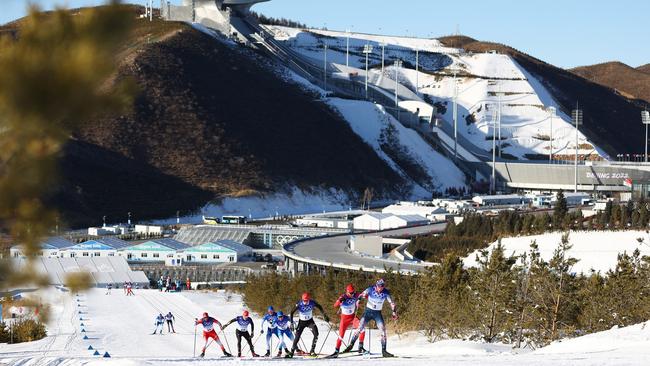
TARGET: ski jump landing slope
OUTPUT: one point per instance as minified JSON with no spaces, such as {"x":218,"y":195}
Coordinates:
{"x":122,"y":327}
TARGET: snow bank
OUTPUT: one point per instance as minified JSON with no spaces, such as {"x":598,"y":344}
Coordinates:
{"x":596,"y":250}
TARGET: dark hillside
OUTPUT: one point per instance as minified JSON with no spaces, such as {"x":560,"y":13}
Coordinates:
{"x":645,"y":68}
{"x":220,"y":118}
{"x":612,"y":121}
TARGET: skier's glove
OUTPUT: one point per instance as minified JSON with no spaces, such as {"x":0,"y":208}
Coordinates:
{"x":262,"y":331}
{"x":292,"y":327}
{"x":395,"y":316}
{"x":327,"y":319}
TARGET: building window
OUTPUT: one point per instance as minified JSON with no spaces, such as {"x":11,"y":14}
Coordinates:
{"x":143,"y":255}
{"x":84,"y":254}
{"x":170,"y":255}
{"x":16,"y":254}
{"x":216,"y":256}
{"x":111,"y":254}
{"x":72,"y":254}
{"x":156,"y":255}
{"x":97,"y":254}
{"x":231,"y":259}
{"x":204,"y":256}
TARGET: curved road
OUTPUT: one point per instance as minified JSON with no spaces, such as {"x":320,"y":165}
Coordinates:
{"x":332,"y":251}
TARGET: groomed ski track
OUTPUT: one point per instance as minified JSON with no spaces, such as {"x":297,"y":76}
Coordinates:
{"x":122,"y":326}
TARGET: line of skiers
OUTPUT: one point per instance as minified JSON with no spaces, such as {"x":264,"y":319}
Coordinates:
{"x":282,"y":325}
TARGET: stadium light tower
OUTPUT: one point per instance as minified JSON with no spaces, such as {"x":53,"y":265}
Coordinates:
{"x":417,"y":71}
{"x":494,"y":155}
{"x":383,"y":49}
{"x":397,"y":64}
{"x":347,"y":48}
{"x":367,"y":49}
{"x":325,"y":68}
{"x":645,"y":118}
{"x":577,"y":120}
{"x":455,"y":113}
{"x":499,"y":95}
{"x":551,"y":114}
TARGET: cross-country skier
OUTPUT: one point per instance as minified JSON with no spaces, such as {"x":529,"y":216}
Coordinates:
{"x":375,"y":295}
{"x":108,"y":288}
{"x":282,"y":328}
{"x":129,"y":289}
{"x":348,"y":304}
{"x":305,"y":308}
{"x":243,"y":321}
{"x":160,"y":322}
{"x":208,"y":324}
{"x":270,"y":318}
{"x":170,"y":322}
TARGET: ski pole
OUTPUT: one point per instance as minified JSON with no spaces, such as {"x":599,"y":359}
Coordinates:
{"x":194,"y":351}
{"x":325,"y":341}
{"x":226,"y":339}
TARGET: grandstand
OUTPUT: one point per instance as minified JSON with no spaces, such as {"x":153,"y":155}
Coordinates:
{"x":102,"y":271}
{"x":201,"y":234}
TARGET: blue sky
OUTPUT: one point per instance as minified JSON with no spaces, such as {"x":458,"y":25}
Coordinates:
{"x":566,"y":33}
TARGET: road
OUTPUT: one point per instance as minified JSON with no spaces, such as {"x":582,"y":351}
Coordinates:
{"x":333,"y":251}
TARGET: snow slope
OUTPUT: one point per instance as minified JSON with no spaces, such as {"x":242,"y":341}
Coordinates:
{"x":368,"y":120}
{"x":122,"y":327}
{"x":525,"y":121}
{"x":596,"y":250}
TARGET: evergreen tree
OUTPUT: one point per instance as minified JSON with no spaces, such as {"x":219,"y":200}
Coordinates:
{"x":560,"y":210}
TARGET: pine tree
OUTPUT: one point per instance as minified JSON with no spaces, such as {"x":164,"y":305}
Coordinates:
{"x":493,"y":284}
{"x":560,"y":210}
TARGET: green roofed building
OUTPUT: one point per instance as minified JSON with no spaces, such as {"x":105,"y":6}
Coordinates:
{"x":153,"y":250}
{"x":216,"y":252}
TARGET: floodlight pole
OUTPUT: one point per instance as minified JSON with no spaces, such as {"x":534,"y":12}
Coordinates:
{"x":417,"y":71}
{"x":347,"y":48}
{"x":494,"y":155}
{"x":383,"y":48}
{"x":325,"y":68}
{"x":577,"y":119}
{"x":499,"y":121}
{"x":398,"y":64}
{"x":455,"y":112}
{"x":645,"y":119}
{"x":551,"y":112}
{"x":367,"y":49}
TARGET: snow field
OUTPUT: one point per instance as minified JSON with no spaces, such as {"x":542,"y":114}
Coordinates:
{"x":122,"y":326}
{"x":597,"y":250}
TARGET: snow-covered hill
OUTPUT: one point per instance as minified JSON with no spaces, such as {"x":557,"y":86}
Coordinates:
{"x":484,"y":81}
{"x":122,"y":327}
{"x":597,"y":250}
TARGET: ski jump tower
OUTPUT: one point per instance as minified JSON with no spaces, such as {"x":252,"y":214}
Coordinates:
{"x":211,"y":13}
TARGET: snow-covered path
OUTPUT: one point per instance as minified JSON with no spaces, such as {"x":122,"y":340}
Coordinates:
{"x":122,"y":327}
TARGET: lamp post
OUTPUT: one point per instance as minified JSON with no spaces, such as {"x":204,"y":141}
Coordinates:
{"x":499,"y":95}
{"x":347,"y":48}
{"x":455,"y":113}
{"x":494,"y":155}
{"x":383,"y":48}
{"x":417,"y":71}
{"x":398,"y":64}
{"x":325,"y":68}
{"x":645,"y":118}
{"x":551,"y":114}
{"x":128,"y":220}
{"x":577,"y":120}
{"x":367,"y":49}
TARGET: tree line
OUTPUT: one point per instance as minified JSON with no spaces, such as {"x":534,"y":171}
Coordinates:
{"x":526,"y":301}
{"x":477,"y":231}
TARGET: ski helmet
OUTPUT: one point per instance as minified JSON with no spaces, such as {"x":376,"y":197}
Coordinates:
{"x":270,"y":309}
{"x":280,"y":314}
{"x":245,"y":313}
{"x":380,"y":283}
{"x":349,"y":288}
{"x":305,"y":296}
{"x":205,"y":315}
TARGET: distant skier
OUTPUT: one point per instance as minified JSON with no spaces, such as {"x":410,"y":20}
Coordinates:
{"x":188,"y":284}
{"x":348,"y":304}
{"x":243,"y":321}
{"x":305,"y":308}
{"x":270,"y":318}
{"x":129,"y":289}
{"x":375,"y":295}
{"x":160,"y":322}
{"x":108,"y":288}
{"x":170,"y":322}
{"x":282,"y":328}
{"x":208,"y":324}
